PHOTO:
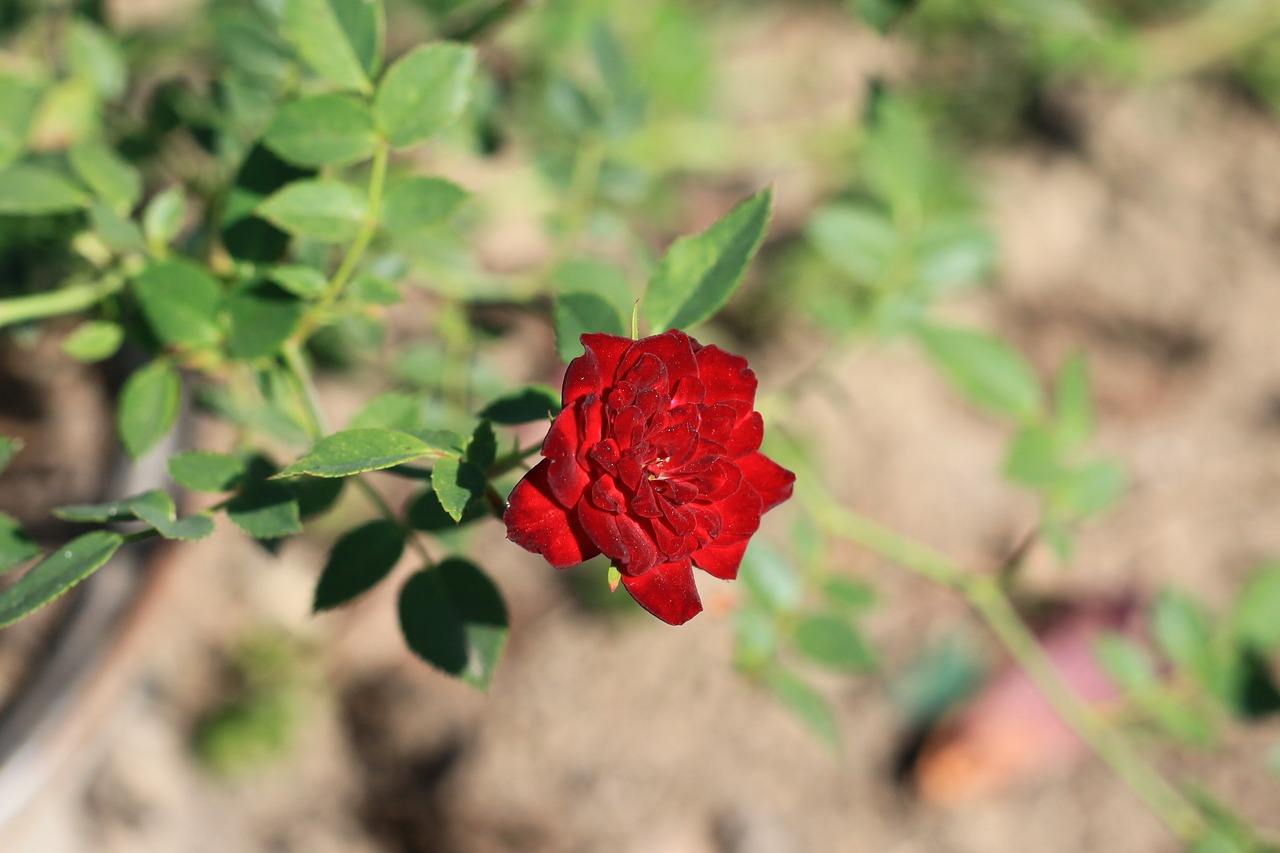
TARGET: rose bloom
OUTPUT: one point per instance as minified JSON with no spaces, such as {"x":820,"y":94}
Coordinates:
{"x":654,"y":462}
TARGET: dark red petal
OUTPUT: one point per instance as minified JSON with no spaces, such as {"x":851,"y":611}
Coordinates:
{"x":771,"y":481}
{"x":537,"y":523}
{"x":740,"y":512}
{"x":608,"y":350}
{"x":746,"y":437}
{"x":647,"y":372}
{"x":606,"y":495}
{"x":667,"y":591}
{"x":620,"y":538}
{"x":565,"y":475}
{"x":689,"y":389}
{"x":717,"y":423}
{"x":582,"y":377}
{"x":725,"y":376}
{"x":722,"y":557}
{"x":674,"y":349}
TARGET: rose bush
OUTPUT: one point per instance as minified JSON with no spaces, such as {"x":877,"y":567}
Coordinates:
{"x":655,"y":462}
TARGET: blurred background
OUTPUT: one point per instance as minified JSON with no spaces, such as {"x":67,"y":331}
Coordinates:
{"x":1091,"y":178}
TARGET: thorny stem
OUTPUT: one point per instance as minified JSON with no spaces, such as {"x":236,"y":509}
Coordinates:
{"x":984,"y":594}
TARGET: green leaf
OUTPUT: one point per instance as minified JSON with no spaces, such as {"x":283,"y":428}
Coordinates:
{"x":355,"y":451}
{"x":769,"y":577}
{"x":121,"y":510}
{"x":457,"y":484}
{"x":418,"y":203}
{"x":340,"y":39}
{"x":307,"y":282}
{"x":315,"y":495}
{"x":262,"y":317}
{"x":370,"y":289}
{"x":953,"y":253}
{"x":1255,"y":616}
{"x":698,"y":274}
{"x":62,"y":569}
{"x":180,"y":300}
{"x":265,"y":510}
{"x":118,"y":233}
{"x":325,"y":211}
{"x":148,"y":406}
{"x":157,"y":509}
{"x":1127,"y":663}
{"x":482,"y":449}
{"x":107,"y":174}
{"x":94,"y":340}
{"x":1088,"y":490}
{"x":581,"y":313}
{"x":164,"y":216}
{"x":1032,"y":457}
{"x":1073,"y":402}
{"x":829,"y":640}
{"x":806,"y":703}
{"x":359,"y":560}
{"x":321,"y":130}
{"x":35,"y":191}
{"x":986,"y":370}
{"x":206,"y":471}
{"x":16,"y":546}
{"x":92,"y":54}
{"x":528,"y":405}
{"x":426,"y":513}
{"x":1181,"y":631}
{"x":9,"y":448}
{"x":424,"y":92}
{"x":858,"y":240}
{"x":391,"y":410}
{"x":1188,"y":723}
{"x":453,"y":617}
{"x":18,"y":101}
{"x":848,"y":594}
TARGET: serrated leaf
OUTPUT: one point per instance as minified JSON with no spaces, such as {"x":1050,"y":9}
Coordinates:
{"x":858,"y":240}
{"x":59,"y":571}
{"x":456,"y":484}
{"x":16,"y":546}
{"x":482,"y":449}
{"x":828,"y":639}
{"x":121,"y":510}
{"x":27,"y":190}
{"x":528,"y":405}
{"x":148,"y":406}
{"x":205,"y":470}
{"x":424,"y":92}
{"x":806,"y":703}
{"x":321,"y":210}
{"x":358,"y":561}
{"x":698,"y":274}
{"x":262,"y":318}
{"x":156,"y":508}
{"x":265,"y":510}
{"x":94,"y":341}
{"x":180,"y":300}
{"x":453,"y":617}
{"x":340,"y":39}
{"x":355,"y":451}
{"x":986,"y":370}
{"x":1255,"y":616}
{"x":418,"y":203}
{"x":426,"y":513}
{"x":321,"y":130}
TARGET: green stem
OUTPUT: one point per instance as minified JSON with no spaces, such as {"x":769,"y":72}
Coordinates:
{"x":355,"y":252}
{"x":64,"y":300}
{"x":984,"y":594}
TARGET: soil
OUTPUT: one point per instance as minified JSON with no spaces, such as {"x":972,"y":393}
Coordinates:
{"x":1153,"y":245}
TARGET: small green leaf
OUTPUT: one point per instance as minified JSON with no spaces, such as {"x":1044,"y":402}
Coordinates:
{"x":62,"y":569}
{"x":1255,"y":616}
{"x":359,"y":560}
{"x":180,"y":300}
{"x":453,"y":617}
{"x":528,"y":405}
{"x":307,"y":282}
{"x":265,"y":510}
{"x":92,"y":54}
{"x":829,"y":640}
{"x":806,"y":703}
{"x":1181,"y":631}
{"x":164,"y":216}
{"x":321,"y":130}
{"x":457,"y":484}
{"x":119,"y":234}
{"x":952,"y":254}
{"x":148,"y":406}
{"x":482,"y":450}
{"x":206,"y":471}
{"x":325,"y":211}
{"x":157,"y":509}
{"x":107,"y":174}
{"x":1127,"y":663}
{"x":1187,"y":723}
{"x":418,"y":203}
{"x":355,"y":451}
{"x":262,"y":317}
{"x":1088,"y":490}
{"x":369,"y":289}
{"x":94,"y":340}
{"x":1073,"y":402}
{"x":858,"y":240}
{"x":35,"y":191}
{"x":698,"y":274}
{"x":986,"y":370}
{"x":16,"y":546}
{"x":424,"y":92}
{"x":849,"y":594}
{"x":1032,"y":457}
{"x":340,"y":39}
{"x":19,"y":98}
{"x":9,"y":448}
{"x":426,"y":513}
{"x":121,"y":510}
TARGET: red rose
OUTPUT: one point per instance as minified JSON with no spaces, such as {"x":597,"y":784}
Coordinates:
{"x":654,"y":461}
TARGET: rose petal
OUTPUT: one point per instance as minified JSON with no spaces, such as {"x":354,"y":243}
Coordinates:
{"x":674,"y":349}
{"x":771,"y":481}
{"x":620,"y":538}
{"x":537,"y":523}
{"x":746,"y":437}
{"x":608,"y":350}
{"x":667,"y":591}
{"x":725,"y":376}
{"x":565,"y":475}
{"x":581,"y":377}
{"x":722,"y":557}
{"x":740,"y":512}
